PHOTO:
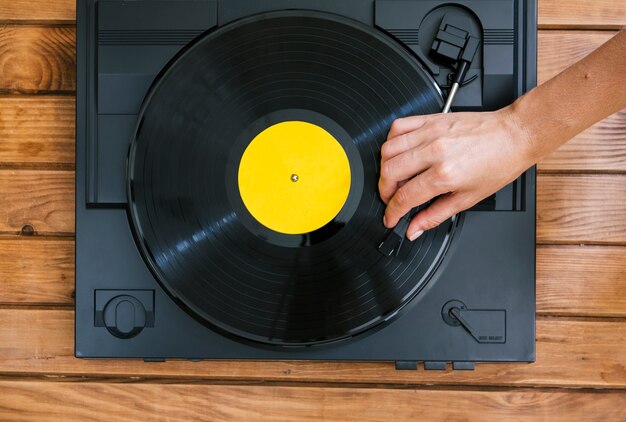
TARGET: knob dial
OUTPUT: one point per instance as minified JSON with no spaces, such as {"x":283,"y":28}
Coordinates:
{"x":124,"y":316}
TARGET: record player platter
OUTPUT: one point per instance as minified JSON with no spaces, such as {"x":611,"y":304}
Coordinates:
{"x":252,"y":178}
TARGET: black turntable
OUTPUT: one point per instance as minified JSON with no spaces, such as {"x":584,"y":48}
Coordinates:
{"x":226,"y":171}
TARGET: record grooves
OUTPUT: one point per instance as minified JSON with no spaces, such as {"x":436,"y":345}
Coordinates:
{"x":202,"y":243}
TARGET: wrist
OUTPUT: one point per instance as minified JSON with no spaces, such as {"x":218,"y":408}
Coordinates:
{"x":522,"y":133}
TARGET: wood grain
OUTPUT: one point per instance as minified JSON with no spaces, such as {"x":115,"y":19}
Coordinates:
{"x":37,"y":131}
{"x":601,"y":148}
{"x":570,"y":209}
{"x":571,"y":280}
{"x":37,"y":59}
{"x":36,"y":271}
{"x":552,"y":13}
{"x":34,"y":59}
{"x":581,"y":209}
{"x":68,"y":401}
{"x":570,"y":353}
{"x":57,"y":11}
{"x":581,"y":280}
{"x":36,"y":201}
{"x":581,"y":13}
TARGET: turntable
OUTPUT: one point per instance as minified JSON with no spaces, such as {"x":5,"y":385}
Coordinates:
{"x":227,"y":167}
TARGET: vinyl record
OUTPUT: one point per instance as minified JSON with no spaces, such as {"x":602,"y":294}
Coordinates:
{"x":252,"y":178}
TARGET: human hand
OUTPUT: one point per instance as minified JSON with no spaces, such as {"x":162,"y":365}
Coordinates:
{"x":459,"y":158}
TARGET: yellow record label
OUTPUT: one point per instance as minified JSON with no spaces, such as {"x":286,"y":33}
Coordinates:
{"x":294,"y":177}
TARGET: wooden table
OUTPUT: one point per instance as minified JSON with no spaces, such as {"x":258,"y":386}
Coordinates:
{"x":580,"y":371}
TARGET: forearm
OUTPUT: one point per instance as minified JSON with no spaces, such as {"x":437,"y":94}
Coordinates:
{"x":567,"y":104}
{"x":461,"y":158}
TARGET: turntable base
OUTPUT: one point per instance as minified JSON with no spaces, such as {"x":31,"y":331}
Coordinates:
{"x":228,"y":159}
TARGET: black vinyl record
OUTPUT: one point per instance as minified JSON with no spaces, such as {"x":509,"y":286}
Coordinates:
{"x":197,"y":236}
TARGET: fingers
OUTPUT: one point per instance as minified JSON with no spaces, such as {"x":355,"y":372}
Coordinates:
{"x":401,"y":143}
{"x":406,"y":134}
{"x":399,"y":169}
{"x":436,"y":213}
{"x":416,"y":191}
{"x":400,"y":156}
{"x":406,"y":125}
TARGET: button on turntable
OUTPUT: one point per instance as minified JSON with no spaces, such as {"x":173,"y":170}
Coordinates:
{"x":124,"y":313}
{"x":124,"y":316}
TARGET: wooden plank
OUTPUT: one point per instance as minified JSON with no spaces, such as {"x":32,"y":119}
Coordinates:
{"x":581,"y":209}
{"x":601,"y":148}
{"x":37,"y":130}
{"x":581,"y":280}
{"x":37,"y":59}
{"x":581,"y":13}
{"x":57,"y":11}
{"x":36,"y":201}
{"x":70,"y":401}
{"x":36,"y":270}
{"x":571,"y":209}
{"x":571,"y":280}
{"x":41,"y":342}
{"x":552,"y":13}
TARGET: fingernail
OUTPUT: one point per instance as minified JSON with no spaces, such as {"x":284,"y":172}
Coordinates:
{"x":385,"y":220}
{"x":415,"y":235}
